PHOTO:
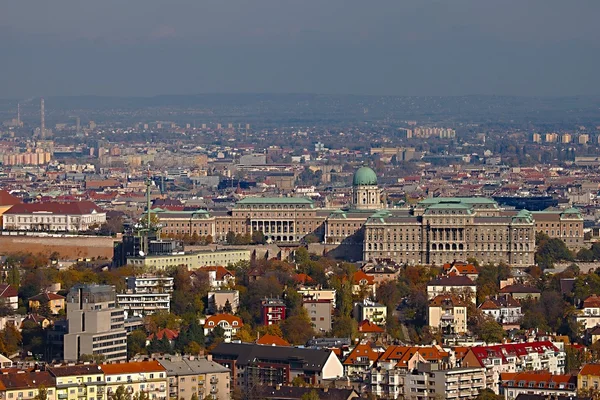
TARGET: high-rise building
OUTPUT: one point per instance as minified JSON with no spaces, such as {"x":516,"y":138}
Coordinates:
{"x":95,"y":324}
{"x":42,"y":120}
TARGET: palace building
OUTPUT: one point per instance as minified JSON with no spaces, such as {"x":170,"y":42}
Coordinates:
{"x":435,"y":231}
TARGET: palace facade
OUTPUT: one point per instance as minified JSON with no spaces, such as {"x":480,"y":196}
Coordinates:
{"x":435,"y":231}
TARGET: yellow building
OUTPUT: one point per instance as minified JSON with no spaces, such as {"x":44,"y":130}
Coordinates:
{"x":448,"y":314}
{"x":192,"y":260}
{"x":588,"y":378}
{"x":78,"y":381}
{"x":135,"y":377}
{"x":54,"y":301}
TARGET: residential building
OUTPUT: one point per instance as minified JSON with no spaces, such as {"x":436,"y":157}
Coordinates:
{"x":448,"y":314}
{"x":148,"y":283}
{"x":274,"y":365}
{"x":429,"y":380}
{"x":589,"y":314}
{"x":566,"y":225}
{"x":25,"y":385}
{"x":460,"y":286}
{"x":272,"y":311}
{"x":406,"y":357}
{"x":300,"y":393}
{"x":537,"y":382}
{"x":74,"y":382}
{"x":70,"y":216}
{"x":218,"y":277}
{"x":190,"y":375}
{"x":503,"y":308}
{"x":361,"y":359}
{"x":363,"y":285}
{"x":192,"y":260}
{"x":53,"y":301}
{"x":310,"y":293}
{"x":588,"y":378}
{"x":518,"y":291}
{"x":382,"y":272}
{"x":319,"y":312}
{"x":142,"y":304}
{"x":385,"y":381}
{"x":9,"y":295}
{"x":461,"y":269}
{"x":230,"y":324}
{"x":147,"y":376}
{"x":95,"y":324}
{"x":368,"y":329}
{"x":7,"y":200}
{"x":369,"y":310}
{"x":219,"y":299}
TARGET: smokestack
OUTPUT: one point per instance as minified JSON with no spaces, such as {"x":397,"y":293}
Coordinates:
{"x":43,"y":120}
{"x":78,"y":125}
{"x":19,"y":114}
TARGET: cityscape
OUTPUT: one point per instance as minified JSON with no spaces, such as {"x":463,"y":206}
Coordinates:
{"x":279,"y":242}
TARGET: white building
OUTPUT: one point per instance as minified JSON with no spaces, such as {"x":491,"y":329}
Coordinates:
{"x":503,"y":308}
{"x":371,"y":311}
{"x":589,"y":315}
{"x":142,"y":304}
{"x":311,"y":293}
{"x":427,"y":381}
{"x":71,"y":216}
{"x":150,"y":284}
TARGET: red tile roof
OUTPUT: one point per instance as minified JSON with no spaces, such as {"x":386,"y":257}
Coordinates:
{"x":221,"y":272}
{"x":590,"y":369}
{"x":171,"y":334}
{"x":592,"y":301}
{"x":540,"y":379}
{"x":7,"y":290}
{"x":272,"y":340}
{"x":26,"y":380}
{"x":511,"y":349}
{"x":132,"y":367}
{"x":69,"y":208}
{"x":216,"y":319}
{"x":367,"y":326}
{"x":46,"y":296}
{"x":360,"y":276}
{"x":362,"y":351}
{"x":7,"y":199}
{"x":402,"y":354}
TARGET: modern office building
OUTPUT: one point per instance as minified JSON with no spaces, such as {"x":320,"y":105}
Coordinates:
{"x":95,"y":324}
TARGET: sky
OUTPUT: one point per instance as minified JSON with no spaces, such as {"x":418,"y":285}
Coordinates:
{"x":373,"y":47}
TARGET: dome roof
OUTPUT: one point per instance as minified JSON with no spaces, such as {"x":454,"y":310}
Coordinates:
{"x":364,"y":176}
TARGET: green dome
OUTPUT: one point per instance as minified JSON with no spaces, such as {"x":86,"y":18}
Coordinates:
{"x":364,"y":176}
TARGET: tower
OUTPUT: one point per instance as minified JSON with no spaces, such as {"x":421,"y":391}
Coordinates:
{"x":365,"y":192}
{"x":42,"y":120}
{"x":19,"y":115}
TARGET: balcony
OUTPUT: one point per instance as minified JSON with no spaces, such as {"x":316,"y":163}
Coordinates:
{"x":214,"y":380}
{"x":214,"y":390}
{"x":62,"y":396}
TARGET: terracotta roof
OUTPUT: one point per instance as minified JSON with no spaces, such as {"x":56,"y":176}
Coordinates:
{"x":26,"y":380}
{"x":171,"y":334}
{"x":68,"y":370}
{"x":361,"y":276}
{"x":303,"y":278}
{"x":7,"y":199}
{"x":132,"y":367}
{"x":69,"y":208}
{"x":7,"y":290}
{"x":361,"y":351}
{"x":465,"y":269}
{"x":221,"y":272}
{"x":488,"y":305}
{"x":230,"y":319}
{"x":511,"y":349}
{"x":367,"y":326}
{"x":446,"y":299}
{"x":401,"y":354}
{"x":592,"y":301}
{"x":590,"y":369}
{"x":46,"y":296}
{"x":272,"y":340}
{"x":541,"y":379}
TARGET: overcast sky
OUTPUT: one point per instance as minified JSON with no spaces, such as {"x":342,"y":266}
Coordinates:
{"x":397,"y":47}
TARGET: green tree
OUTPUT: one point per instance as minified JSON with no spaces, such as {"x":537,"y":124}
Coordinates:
{"x":258,"y":237}
{"x":585,"y":254}
{"x":488,"y":394}
{"x":490,"y":331}
{"x":141,"y":395}
{"x":301,"y":255}
{"x":297,"y":329}
{"x":13,"y":276}
{"x":119,"y":394}
{"x":344,"y":326}
{"x":227,"y":307}
{"x":312,"y":395}
{"x":42,"y":393}
{"x":136,"y":343}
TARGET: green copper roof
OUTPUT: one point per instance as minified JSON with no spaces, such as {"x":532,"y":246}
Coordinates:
{"x":364,"y":176}
{"x":276,"y":200}
{"x":465,"y":200}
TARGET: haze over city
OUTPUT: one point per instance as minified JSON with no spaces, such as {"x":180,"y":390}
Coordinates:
{"x":417,"y":48}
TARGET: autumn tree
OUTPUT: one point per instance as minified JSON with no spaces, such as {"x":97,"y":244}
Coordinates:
{"x":297,"y":329}
{"x":119,"y":394}
{"x":42,"y":393}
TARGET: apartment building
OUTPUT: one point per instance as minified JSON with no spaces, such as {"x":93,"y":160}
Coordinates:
{"x":371,"y":311}
{"x":252,"y":364}
{"x":537,"y":382}
{"x":272,"y":311}
{"x":361,"y":359}
{"x":70,"y":216}
{"x":148,"y":283}
{"x":429,"y":381}
{"x":319,"y":312}
{"x":503,"y":308}
{"x":141,"y":376}
{"x":25,"y":385}
{"x":447,"y":314}
{"x":74,"y":382}
{"x":220,"y":299}
{"x":196,"y":375}
{"x":317,"y":293}
{"x":142,"y":304}
{"x":589,"y":314}
{"x":95,"y":324}
{"x":458,"y":285}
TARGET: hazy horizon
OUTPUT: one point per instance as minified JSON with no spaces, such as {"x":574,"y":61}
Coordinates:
{"x":151,"y":48}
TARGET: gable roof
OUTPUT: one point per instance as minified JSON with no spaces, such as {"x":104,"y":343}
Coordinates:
{"x":272,"y":340}
{"x":169,"y":333}
{"x":26,"y":380}
{"x":457,"y":280}
{"x":503,"y":351}
{"x":402,"y":354}
{"x":7,"y":199}
{"x":592,"y":301}
{"x":590,"y":369}
{"x":446,"y":299}
{"x":220,"y":272}
{"x":46,"y":297}
{"x":360,"y":276}
{"x":69,"y":370}
{"x":360,"y":352}
{"x":7,"y":290}
{"x":519,"y":288}
{"x":366,"y":326}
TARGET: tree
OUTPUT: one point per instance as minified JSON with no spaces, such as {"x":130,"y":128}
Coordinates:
{"x":13,"y":277}
{"x":141,"y":395}
{"x":11,"y":339}
{"x":136,"y":343}
{"x":230,"y":238}
{"x":258,"y":237}
{"x":227,"y":307}
{"x":488,"y":394}
{"x":42,"y":393}
{"x":95,"y":358}
{"x":585,"y":254}
{"x":312,"y":395}
{"x":489,"y":331}
{"x":344,"y":326}
{"x":301,"y":255}
{"x":119,"y":394}
{"x":297,"y":329}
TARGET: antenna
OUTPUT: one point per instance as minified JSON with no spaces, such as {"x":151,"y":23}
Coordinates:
{"x":148,"y":197}
{"x":42,"y":120}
